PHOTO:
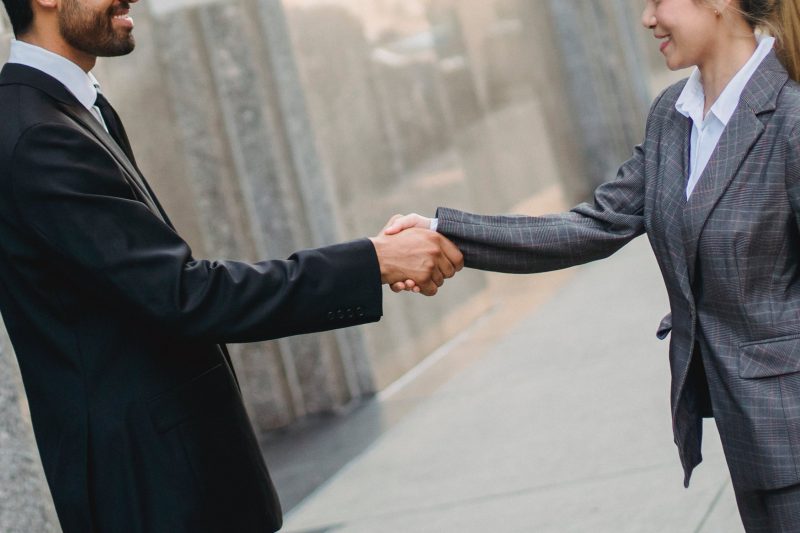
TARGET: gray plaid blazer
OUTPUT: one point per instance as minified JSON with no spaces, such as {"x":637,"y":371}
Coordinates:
{"x":730,"y":258}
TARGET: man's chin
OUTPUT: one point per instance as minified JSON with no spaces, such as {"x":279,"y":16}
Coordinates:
{"x":122,"y":49}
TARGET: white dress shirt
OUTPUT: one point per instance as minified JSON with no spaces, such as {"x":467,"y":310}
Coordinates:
{"x":81,"y":84}
{"x":707,"y":131}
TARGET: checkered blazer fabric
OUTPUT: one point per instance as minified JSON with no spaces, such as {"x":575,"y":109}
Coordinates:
{"x":729,"y":256}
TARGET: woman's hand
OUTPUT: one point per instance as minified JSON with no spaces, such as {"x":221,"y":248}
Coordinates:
{"x":399,"y":223}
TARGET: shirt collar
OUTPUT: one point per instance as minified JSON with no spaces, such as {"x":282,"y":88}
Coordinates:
{"x":691,"y":102}
{"x":81,"y":84}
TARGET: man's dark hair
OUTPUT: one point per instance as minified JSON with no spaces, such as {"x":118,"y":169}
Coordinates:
{"x":20,"y":13}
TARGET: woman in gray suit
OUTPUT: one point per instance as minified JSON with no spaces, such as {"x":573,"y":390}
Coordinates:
{"x":715,"y":185}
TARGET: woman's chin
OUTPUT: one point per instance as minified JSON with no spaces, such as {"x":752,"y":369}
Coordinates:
{"x":675,"y":63}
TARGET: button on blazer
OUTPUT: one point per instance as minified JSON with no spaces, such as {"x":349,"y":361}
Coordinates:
{"x":730,"y":258}
{"x":119,"y":330}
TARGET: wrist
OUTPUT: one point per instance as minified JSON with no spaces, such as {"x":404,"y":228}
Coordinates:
{"x":379,"y":243}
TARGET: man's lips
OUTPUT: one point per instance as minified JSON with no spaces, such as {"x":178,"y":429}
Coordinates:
{"x":123,"y":18}
{"x":667,"y":39}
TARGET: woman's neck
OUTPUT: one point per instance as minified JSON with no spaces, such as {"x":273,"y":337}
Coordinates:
{"x":729,"y":57}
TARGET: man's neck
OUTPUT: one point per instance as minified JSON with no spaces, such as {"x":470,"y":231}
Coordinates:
{"x":59,"y":46}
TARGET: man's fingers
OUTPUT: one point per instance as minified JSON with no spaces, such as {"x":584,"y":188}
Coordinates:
{"x":450,"y":259}
{"x":453,"y":254}
{"x":437,"y":277}
{"x":429,"y":289}
{"x":447,"y":268}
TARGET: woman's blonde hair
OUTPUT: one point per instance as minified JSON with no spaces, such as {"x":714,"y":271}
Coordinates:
{"x":780,"y":18}
{"x":787,"y":20}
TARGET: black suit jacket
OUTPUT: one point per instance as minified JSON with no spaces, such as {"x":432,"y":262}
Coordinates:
{"x":118,"y":329}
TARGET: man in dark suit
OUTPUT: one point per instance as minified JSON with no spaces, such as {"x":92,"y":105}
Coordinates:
{"x":119,"y":331}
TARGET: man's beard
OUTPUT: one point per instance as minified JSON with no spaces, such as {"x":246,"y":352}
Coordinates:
{"x":93,"y":33}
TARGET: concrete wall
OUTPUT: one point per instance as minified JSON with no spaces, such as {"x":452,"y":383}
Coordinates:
{"x":266,"y":126}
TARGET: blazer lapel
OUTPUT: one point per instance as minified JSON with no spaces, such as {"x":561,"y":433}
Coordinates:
{"x":746,"y":126}
{"x":23,"y":75}
{"x":676,"y":150}
{"x":85,"y":119}
{"x":672,"y":193}
{"x":739,"y":136}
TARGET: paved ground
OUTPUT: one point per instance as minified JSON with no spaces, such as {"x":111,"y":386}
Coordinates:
{"x":561,"y":424}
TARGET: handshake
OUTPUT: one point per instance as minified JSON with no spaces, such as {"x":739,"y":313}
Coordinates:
{"x":414,"y":258}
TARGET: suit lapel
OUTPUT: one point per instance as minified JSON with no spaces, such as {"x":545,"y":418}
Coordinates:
{"x":673,"y":193}
{"x":85,"y":119}
{"x":746,"y":126}
{"x":676,"y":148}
{"x":24,"y":75}
{"x":734,"y":146}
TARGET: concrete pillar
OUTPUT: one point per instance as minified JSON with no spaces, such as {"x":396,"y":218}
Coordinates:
{"x":258,"y":184}
{"x":315,"y":191}
{"x":25,"y":502}
{"x":604,"y":75}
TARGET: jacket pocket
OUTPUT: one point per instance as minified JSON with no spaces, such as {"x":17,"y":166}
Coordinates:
{"x":210,"y":393}
{"x":228,"y":481}
{"x":771,"y":357}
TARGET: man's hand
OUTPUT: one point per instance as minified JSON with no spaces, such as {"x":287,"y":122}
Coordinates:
{"x":400,"y":223}
{"x":424,"y":258}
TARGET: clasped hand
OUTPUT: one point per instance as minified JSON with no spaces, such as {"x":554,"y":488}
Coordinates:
{"x":414,"y":258}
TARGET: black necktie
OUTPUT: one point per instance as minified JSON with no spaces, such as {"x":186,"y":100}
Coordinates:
{"x":117,"y":132}
{"x":114,"y":126}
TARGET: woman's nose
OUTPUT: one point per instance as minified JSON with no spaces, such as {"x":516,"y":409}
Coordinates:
{"x":649,"y":16}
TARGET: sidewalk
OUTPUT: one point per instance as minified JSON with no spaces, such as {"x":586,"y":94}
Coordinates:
{"x":561,"y":425}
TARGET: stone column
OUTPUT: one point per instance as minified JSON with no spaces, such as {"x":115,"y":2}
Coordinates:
{"x":25,"y":502}
{"x":313,"y":182}
{"x":258,"y":184}
{"x":603,"y":71}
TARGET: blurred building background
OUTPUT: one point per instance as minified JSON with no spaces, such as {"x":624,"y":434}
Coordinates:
{"x":266,"y":126}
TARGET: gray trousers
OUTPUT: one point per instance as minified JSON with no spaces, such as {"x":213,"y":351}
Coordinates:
{"x":762,"y":511}
{"x":770,"y":511}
